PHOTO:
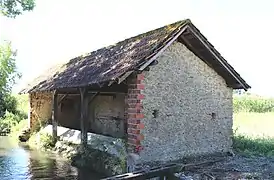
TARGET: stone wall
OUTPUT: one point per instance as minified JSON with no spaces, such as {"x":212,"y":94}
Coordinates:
{"x":187,"y":108}
{"x":105,"y":114}
{"x":40,"y":109}
{"x":69,"y":112}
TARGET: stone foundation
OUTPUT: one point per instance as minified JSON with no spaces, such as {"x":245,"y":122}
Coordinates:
{"x":104,"y":154}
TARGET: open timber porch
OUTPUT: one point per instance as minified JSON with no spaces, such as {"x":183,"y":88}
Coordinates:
{"x":112,"y":110}
{"x":86,"y":120}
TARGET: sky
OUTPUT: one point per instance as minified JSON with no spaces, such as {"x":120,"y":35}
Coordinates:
{"x":58,"y":30}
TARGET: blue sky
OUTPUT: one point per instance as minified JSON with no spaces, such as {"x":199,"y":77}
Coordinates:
{"x":57,"y":30}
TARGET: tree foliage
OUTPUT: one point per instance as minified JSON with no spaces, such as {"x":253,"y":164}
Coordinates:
{"x":8,"y":76}
{"x":8,"y":70}
{"x":12,"y":8}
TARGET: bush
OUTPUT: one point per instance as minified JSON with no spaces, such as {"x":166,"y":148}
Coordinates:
{"x":46,"y":140}
{"x":253,"y":146}
{"x":249,"y":103}
{"x":7,"y":103}
{"x":10,"y":103}
{"x":23,"y":124}
{"x":9,"y":120}
{"x":41,"y":140}
{"x":11,"y":112}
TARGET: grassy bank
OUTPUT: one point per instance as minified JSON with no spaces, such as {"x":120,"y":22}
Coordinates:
{"x":253,"y":125}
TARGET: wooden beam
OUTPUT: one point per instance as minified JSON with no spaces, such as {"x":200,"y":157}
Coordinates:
{"x":219,"y":59}
{"x":62,"y":98}
{"x":159,"y":171}
{"x":111,"y":82}
{"x":93,"y":97}
{"x":123,"y":77}
{"x":29,"y":110}
{"x":162,"y":50}
{"x":54,"y":115}
{"x":197,"y":53}
{"x":83,"y":116}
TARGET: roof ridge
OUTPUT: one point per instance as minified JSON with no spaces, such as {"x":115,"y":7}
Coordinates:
{"x":132,"y":37}
{"x":109,"y":63}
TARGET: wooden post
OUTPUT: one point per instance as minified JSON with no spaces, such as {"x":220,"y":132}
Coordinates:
{"x":29,"y":112}
{"x":83,"y":115}
{"x":54,"y":115}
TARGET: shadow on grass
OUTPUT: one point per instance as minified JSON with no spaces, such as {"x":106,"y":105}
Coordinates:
{"x":253,"y":146}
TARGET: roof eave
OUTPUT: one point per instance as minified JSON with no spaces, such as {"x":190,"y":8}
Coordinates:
{"x":203,"y":40}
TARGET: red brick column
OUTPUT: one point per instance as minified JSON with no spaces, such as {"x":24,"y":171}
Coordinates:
{"x":134,"y":113}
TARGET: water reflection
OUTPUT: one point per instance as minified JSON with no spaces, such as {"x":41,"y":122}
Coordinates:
{"x":17,"y":162}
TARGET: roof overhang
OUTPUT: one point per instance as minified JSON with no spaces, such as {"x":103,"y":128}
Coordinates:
{"x":193,"y":39}
{"x":143,"y":54}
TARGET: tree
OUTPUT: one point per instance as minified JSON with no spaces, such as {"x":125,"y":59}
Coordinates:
{"x":8,"y":70}
{"x":12,"y":8}
{"x":8,"y":76}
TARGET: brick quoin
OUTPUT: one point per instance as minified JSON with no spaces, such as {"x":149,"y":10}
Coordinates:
{"x":133,"y":131}
{"x":134,"y":121}
{"x":133,"y":112}
{"x":140,"y":76}
{"x":136,"y":115}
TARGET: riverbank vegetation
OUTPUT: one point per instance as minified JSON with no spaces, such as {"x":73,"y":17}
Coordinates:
{"x":11,"y":107}
{"x":15,"y":116}
{"x":253,"y":125}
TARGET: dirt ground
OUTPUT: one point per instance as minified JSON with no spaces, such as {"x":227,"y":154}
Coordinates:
{"x":237,"y":167}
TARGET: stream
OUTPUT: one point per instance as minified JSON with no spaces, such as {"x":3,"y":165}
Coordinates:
{"x":18,"y":162}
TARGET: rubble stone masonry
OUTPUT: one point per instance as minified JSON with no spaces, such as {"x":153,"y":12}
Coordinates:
{"x":184,"y":106}
{"x":40,"y":108}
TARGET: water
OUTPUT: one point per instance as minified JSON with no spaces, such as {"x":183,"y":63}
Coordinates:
{"x":17,"y":162}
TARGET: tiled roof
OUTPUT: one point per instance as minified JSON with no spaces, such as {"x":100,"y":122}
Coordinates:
{"x":105,"y":64}
{"x":109,"y":63}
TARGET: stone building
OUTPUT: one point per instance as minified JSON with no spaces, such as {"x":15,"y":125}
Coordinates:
{"x":167,"y":93}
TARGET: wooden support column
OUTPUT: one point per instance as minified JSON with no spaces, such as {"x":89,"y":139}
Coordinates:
{"x":30,"y":110}
{"x":83,"y":116}
{"x":54,"y":115}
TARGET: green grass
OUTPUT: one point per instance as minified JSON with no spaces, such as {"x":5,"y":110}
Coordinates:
{"x":253,"y":133}
{"x":254,"y":124}
{"x":253,"y":146}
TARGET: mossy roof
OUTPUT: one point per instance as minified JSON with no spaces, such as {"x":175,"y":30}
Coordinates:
{"x":109,"y":63}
